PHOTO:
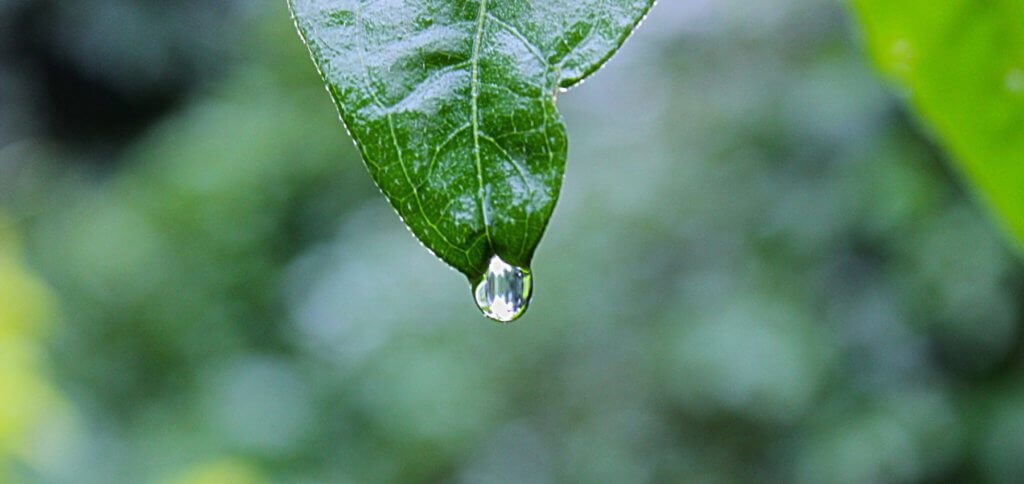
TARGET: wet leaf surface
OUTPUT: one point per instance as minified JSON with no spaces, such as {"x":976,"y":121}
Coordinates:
{"x":452,"y":105}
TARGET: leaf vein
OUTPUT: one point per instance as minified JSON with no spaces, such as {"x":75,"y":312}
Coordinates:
{"x":394,"y":139}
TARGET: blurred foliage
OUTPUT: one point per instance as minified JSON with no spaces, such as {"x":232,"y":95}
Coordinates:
{"x":759,"y":271}
{"x":963,"y":64}
{"x":29,"y":398}
{"x":219,"y":472}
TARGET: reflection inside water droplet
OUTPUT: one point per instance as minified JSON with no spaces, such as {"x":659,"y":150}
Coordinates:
{"x":504,"y":293}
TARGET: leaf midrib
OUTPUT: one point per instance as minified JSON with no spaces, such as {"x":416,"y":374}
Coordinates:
{"x":474,"y":82}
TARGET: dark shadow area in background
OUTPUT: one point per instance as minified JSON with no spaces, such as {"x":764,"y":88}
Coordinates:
{"x":98,"y":97}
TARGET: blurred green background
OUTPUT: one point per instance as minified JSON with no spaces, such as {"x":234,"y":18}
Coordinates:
{"x":760,"y":270}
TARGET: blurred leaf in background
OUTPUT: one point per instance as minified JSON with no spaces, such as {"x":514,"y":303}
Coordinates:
{"x":962,"y":62}
{"x":29,"y":401}
{"x":224,"y":471}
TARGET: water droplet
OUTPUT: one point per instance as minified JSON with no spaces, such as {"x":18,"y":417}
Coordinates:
{"x":504,"y":293}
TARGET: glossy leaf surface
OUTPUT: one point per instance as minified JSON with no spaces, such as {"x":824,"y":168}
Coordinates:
{"x":963,"y":64}
{"x":452,"y":105}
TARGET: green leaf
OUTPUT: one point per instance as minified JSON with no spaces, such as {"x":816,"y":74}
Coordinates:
{"x":963,"y":64}
{"x":452,"y":104}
